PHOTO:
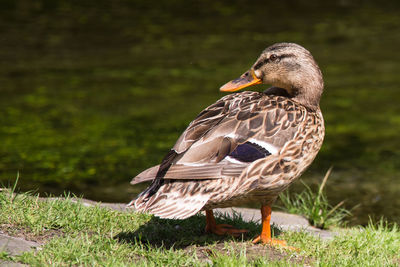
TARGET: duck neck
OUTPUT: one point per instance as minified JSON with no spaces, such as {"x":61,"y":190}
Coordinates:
{"x":310,"y":99}
{"x":308,"y":89}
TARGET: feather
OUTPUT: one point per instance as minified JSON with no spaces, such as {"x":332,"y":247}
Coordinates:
{"x":167,"y":203}
{"x":146,"y":175}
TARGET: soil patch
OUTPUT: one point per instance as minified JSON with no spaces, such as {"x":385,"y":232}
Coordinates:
{"x":251,"y":251}
{"x":21,"y":232}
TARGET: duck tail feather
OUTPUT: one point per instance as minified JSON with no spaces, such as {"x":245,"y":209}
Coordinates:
{"x":146,"y":175}
{"x":169,"y":205}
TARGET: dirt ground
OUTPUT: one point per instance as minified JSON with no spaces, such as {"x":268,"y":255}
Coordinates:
{"x":252,"y":252}
{"x":14,"y":231}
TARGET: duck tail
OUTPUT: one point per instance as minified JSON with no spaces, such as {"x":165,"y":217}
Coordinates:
{"x":167,"y":203}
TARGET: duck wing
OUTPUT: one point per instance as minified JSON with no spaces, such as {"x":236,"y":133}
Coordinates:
{"x":203,"y":123}
{"x":226,"y":138}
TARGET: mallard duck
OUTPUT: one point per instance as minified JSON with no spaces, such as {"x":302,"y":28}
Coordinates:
{"x":246,"y":147}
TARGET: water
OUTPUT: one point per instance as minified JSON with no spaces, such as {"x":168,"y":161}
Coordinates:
{"x":91,"y":95}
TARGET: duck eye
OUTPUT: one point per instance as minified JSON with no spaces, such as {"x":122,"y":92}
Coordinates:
{"x":273,"y":57}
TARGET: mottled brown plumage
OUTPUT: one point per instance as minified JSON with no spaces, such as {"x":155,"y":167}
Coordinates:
{"x":246,"y":147}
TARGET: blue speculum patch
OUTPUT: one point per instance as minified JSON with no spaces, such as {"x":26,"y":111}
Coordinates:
{"x":249,"y":152}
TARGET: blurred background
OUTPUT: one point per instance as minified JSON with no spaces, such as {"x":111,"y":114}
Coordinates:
{"x":93,"y":92}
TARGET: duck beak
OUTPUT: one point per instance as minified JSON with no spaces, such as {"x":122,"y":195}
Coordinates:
{"x":246,"y":80}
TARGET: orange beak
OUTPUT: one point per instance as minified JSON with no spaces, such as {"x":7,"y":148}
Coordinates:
{"x":246,"y":80}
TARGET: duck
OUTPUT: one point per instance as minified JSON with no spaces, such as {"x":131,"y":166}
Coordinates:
{"x":247,"y":147}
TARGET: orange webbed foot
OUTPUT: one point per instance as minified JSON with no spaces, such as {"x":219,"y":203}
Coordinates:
{"x":273,"y":242}
{"x":221,"y":229}
{"x":265,"y":236}
{"x":269,"y":241}
{"x":225,"y":229}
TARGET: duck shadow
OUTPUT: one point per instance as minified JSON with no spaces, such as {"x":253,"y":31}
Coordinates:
{"x":179,"y":234}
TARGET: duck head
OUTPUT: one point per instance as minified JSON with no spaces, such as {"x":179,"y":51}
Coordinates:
{"x":288,"y":66}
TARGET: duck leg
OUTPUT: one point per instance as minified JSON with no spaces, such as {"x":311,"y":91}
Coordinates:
{"x":220,"y":229}
{"x":265,"y":236}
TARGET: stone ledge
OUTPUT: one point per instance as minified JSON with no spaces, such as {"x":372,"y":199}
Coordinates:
{"x":14,"y":245}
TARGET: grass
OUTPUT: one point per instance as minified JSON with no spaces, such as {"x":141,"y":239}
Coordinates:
{"x":315,"y":206}
{"x":79,"y":235}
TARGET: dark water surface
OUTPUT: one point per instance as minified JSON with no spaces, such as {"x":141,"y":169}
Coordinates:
{"x":93,"y":93}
